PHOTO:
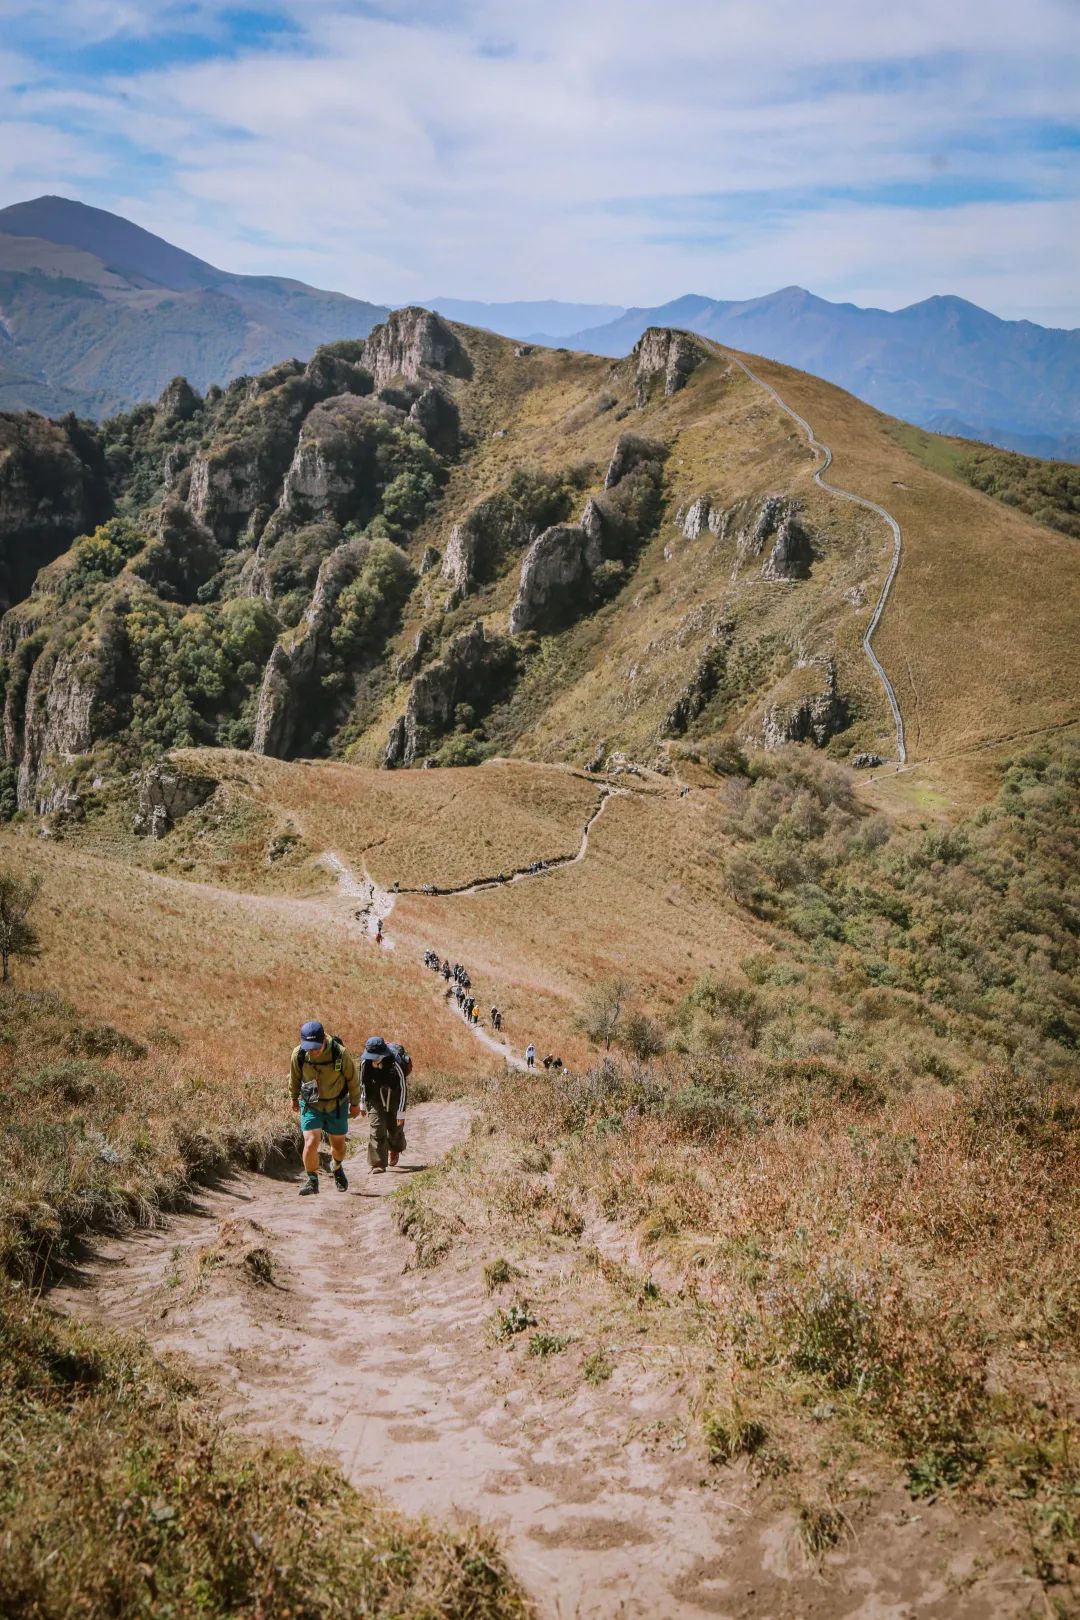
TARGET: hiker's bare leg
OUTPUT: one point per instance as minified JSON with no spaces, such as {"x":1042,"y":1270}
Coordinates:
{"x":311,"y":1151}
{"x":337,"y":1148}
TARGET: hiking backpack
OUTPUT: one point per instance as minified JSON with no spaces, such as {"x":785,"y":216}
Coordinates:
{"x":309,"y":1089}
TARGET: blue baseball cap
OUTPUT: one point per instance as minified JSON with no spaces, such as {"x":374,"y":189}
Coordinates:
{"x":312,"y":1035}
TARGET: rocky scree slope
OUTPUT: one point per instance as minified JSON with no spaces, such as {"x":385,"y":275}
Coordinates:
{"x":428,"y":547}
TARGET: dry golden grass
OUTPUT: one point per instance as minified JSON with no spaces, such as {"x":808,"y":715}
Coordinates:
{"x":648,"y":903}
{"x":872,"y":1278}
{"x":442,"y":827}
{"x":980,"y":632}
{"x":233,"y":975}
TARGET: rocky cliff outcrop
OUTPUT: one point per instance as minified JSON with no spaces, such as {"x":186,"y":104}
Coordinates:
{"x":472,"y":670}
{"x":662,"y":354}
{"x":702,"y":513}
{"x":438,"y":418}
{"x":178,"y":402}
{"x":812,"y":717}
{"x":62,"y":697}
{"x":291,"y":671}
{"x":229,"y":483}
{"x":166,"y":794}
{"x":631,"y":451}
{"x":459,"y":559}
{"x":558,"y":566}
{"x":411,"y":342}
{"x":182,"y":555}
{"x":700,"y":689}
{"x":792,"y":553}
{"x":333,"y":470}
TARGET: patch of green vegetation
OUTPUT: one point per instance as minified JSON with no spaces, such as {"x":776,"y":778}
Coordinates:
{"x":516,"y":1318}
{"x":543,"y":1345}
{"x":497,"y":1273}
{"x":597,"y":1367}
{"x":1048,"y":491}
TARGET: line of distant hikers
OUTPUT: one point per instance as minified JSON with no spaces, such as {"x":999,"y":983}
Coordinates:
{"x":458,"y":985}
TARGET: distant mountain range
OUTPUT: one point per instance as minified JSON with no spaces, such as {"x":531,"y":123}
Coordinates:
{"x":97,"y":314}
{"x":546,"y":320}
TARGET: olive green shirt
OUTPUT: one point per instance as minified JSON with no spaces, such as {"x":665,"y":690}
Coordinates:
{"x":332,"y":1083}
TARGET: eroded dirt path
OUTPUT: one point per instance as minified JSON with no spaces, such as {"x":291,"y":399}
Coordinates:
{"x":304,"y":1321}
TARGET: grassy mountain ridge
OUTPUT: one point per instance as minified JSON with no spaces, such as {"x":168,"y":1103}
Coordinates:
{"x":1010,"y":382}
{"x":437,"y":544}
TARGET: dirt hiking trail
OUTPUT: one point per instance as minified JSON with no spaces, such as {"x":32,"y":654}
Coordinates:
{"x":307,"y":1323}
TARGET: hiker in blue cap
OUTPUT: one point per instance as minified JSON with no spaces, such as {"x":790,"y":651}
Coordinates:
{"x":384,"y":1091}
{"x":325,"y":1090}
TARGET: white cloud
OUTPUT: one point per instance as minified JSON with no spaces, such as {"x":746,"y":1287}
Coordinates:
{"x":600,"y":149}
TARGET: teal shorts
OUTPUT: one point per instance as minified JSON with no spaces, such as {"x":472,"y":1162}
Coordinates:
{"x":335,"y":1121}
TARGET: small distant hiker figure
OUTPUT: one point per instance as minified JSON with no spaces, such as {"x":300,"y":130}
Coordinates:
{"x":446,"y":971}
{"x":378,"y":931}
{"x":530,"y":1056}
{"x":384,"y":1090}
{"x":325,"y":1090}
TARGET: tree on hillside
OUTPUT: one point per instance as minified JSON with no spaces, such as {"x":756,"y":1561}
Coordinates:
{"x":18,"y":936}
{"x":603,"y":1011}
{"x":643,"y":1037}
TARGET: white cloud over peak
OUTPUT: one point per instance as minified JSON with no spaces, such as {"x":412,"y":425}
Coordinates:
{"x":593,"y":150}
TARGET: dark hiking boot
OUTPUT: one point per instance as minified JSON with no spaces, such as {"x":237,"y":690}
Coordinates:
{"x":394,"y":1159}
{"x":341,"y":1180}
{"x":311,"y":1185}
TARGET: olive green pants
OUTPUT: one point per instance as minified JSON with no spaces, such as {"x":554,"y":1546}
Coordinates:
{"x":385,"y":1135}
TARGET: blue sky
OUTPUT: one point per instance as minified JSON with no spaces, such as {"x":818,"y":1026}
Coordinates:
{"x":611,"y":150}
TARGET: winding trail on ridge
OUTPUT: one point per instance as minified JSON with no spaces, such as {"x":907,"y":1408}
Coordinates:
{"x":858,"y":500}
{"x":378,"y":903}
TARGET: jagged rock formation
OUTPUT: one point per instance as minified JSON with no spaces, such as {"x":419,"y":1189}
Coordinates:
{"x":663,"y":352}
{"x":813,"y":717}
{"x":702,"y":513}
{"x":167,"y":793}
{"x":291,"y":669}
{"x":182,"y":557}
{"x":791,"y":554}
{"x":411,"y":342}
{"x":63,"y":693}
{"x":470,"y":671}
{"x":459,"y":559}
{"x":422,"y":649}
{"x":439,"y":420}
{"x":178,"y":402}
{"x":499,"y":525}
{"x":699,"y":690}
{"x":559,"y":563}
{"x":631,"y":451}
{"x":229,"y":484}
